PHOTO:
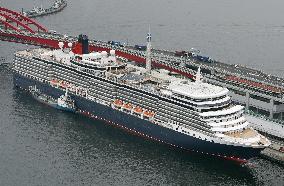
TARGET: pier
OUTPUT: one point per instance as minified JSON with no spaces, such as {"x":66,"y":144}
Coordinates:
{"x":274,"y":152}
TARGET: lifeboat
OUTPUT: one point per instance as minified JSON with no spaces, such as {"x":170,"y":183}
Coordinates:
{"x":148,"y":113}
{"x":63,"y":84}
{"x":72,"y":88}
{"x":127,"y":106}
{"x":54,"y":82}
{"x":118,"y":102}
{"x":68,"y":85}
{"x":138,"y":110}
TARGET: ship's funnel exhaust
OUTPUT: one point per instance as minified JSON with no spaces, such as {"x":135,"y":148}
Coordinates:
{"x":83,"y":39}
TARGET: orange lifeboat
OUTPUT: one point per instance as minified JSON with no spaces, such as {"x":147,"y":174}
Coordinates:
{"x":118,"y":102}
{"x":138,"y":110}
{"x":148,"y":113}
{"x":63,"y":84}
{"x":54,"y":81}
{"x":127,"y":106}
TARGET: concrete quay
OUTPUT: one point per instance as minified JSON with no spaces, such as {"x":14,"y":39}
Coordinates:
{"x":273,"y":152}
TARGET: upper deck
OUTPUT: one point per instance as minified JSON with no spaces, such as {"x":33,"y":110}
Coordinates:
{"x":157,"y":82}
{"x":198,"y":91}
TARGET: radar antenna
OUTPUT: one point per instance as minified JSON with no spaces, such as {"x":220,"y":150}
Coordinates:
{"x":198,"y":77}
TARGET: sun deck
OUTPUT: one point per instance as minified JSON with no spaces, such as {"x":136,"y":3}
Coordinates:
{"x":198,"y":90}
{"x":247,"y":133}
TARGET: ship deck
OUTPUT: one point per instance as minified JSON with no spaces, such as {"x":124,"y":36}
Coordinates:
{"x":247,"y":133}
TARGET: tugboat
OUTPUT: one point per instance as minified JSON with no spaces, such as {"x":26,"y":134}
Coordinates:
{"x":43,"y":98}
{"x":64,"y":102}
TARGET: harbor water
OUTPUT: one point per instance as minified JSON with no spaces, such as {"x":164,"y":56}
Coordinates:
{"x":43,"y":146}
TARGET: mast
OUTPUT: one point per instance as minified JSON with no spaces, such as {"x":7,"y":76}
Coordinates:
{"x":66,"y":92}
{"x":148,"y":53}
{"x":198,"y":77}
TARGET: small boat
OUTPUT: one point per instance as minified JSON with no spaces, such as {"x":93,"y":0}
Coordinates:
{"x":148,"y":113}
{"x":43,"y":98}
{"x":54,"y":82}
{"x":118,"y":103}
{"x":64,"y":102}
{"x":138,"y":110}
{"x":127,"y":106}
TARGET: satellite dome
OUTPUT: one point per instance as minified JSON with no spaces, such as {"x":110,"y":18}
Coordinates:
{"x":61,"y":44}
{"x":112,"y":52}
{"x":104,"y":53}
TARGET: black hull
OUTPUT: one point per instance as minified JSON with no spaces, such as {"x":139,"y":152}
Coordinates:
{"x":144,"y":127}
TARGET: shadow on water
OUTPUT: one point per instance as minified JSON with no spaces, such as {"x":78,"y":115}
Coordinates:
{"x":92,"y":147}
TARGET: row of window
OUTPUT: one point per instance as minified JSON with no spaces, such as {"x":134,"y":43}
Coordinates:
{"x":195,"y":127}
{"x":29,"y":65}
{"x":138,"y":102}
{"x":189,"y":121}
{"x":71,"y":80}
{"x":226,"y":118}
{"x":198,"y":100}
{"x":221,"y":107}
{"x":34,"y":73}
{"x":71,"y":75}
{"x":176,"y":108}
{"x":182,"y":116}
{"x":31,"y":76}
{"x":97,"y":93}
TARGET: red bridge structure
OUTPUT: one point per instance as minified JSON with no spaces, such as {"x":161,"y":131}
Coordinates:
{"x":9,"y":18}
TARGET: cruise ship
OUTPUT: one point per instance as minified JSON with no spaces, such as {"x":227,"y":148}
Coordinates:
{"x":194,"y":116}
